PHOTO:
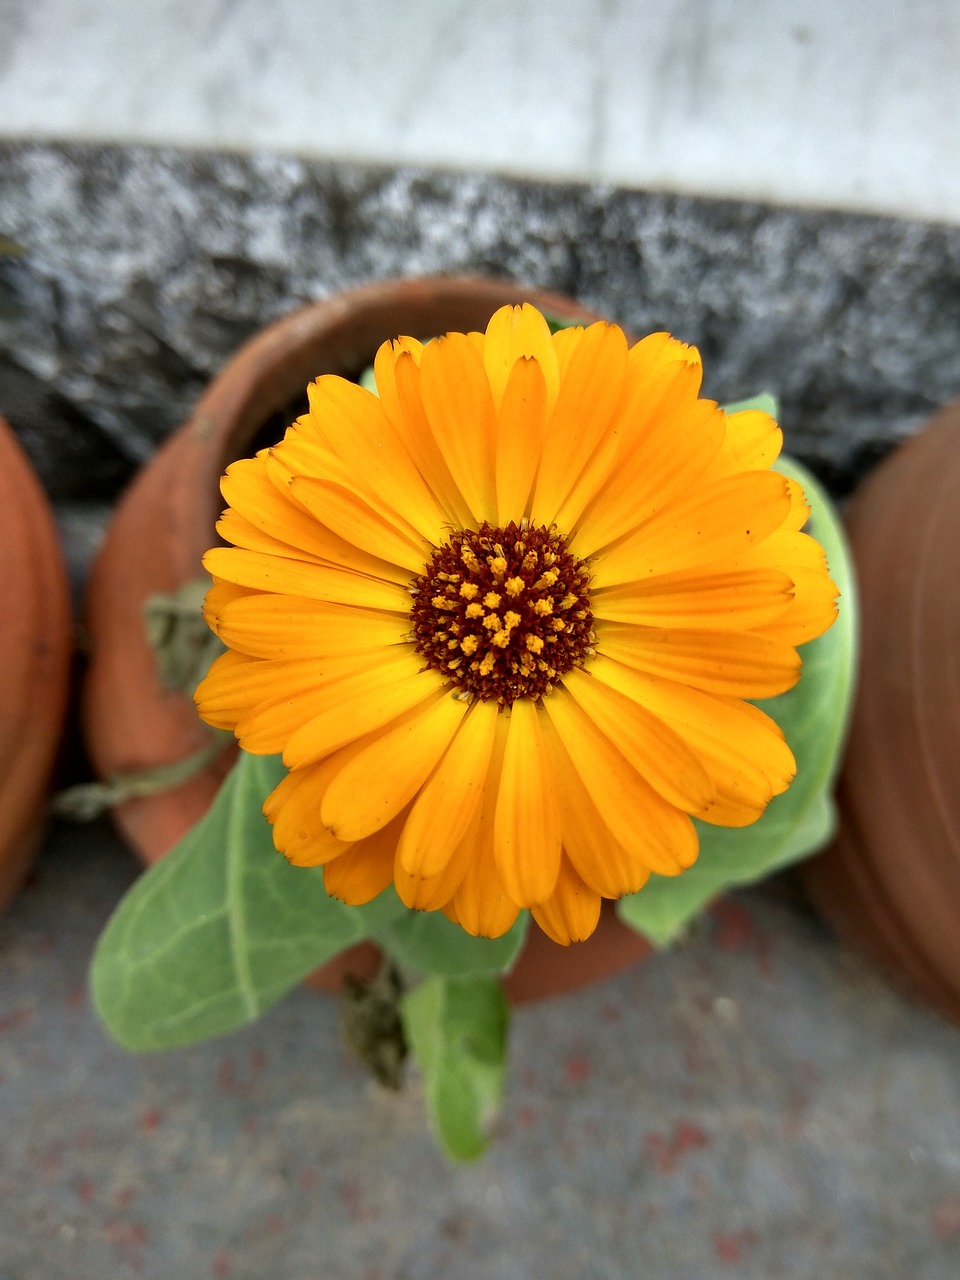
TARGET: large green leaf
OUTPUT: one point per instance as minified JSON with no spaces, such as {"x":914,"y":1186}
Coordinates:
{"x":457,"y":1028}
{"x":813,"y":716}
{"x":223,"y":926}
{"x":217,"y":930}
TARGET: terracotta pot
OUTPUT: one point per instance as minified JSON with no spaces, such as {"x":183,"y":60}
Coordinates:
{"x":36,"y":646}
{"x":165,"y":523}
{"x":891,"y":880}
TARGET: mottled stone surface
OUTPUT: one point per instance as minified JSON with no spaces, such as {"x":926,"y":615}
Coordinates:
{"x":133,"y":274}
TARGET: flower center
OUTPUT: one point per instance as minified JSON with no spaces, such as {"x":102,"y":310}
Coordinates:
{"x":503,"y":613}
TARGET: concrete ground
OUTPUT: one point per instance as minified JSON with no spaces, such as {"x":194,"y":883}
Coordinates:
{"x":755,"y":1103}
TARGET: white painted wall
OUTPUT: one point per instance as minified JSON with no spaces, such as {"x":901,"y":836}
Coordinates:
{"x":848,"y":103}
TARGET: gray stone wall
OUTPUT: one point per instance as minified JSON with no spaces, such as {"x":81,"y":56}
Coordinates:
{"x":129,"y":275}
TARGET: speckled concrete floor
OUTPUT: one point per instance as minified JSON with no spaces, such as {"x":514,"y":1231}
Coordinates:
{"x":753,"y":1104}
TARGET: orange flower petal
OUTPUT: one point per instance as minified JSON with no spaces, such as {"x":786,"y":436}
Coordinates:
{"x":379,"y":781}
{"x":364,"y":870}
{"x":725,"y":601}
{"x":459,"y":408}
{"x":481,"y":904}
{"x":297,"y":578}
{"x":519,"y":334}
{"x":354,"y":425}
{"x":742,"y":749}
{"x":663,"y":378}
{"x":292,"y":809}
{"x":736,"y":664}
{"x":270,"y":626}
{"x":572,"y":911}
{"x":650,"y":478}
{"x":526,"y":829}
{"x":434,"y":893}
{"x":710,"y":524}
{"x":261,"y":509}
{"x":589,"y":394}
{"x":811,"y":612}
{"x":519,"y":438}
{"x":236,"y":683}
{"x":352,"y":519}
{"x":219,"y":596}
{"x":397,"y":369}
{"x":752,"y":443}
{"x":647,"y":826}
{"x":605,"y":864}
{"x":360,"y":703}
{"x":656,"y":752}
{"x":450,"y":799}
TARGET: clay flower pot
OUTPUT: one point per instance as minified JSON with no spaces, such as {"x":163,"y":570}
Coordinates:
{"x":166,"y":521}
{"x":891,"y":880}
{"x":35,"y":652}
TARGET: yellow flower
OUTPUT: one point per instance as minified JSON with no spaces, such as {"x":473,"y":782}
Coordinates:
{"x":501,"y":621}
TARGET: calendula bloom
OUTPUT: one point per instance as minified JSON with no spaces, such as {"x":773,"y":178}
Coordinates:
{"x":502,"y":620}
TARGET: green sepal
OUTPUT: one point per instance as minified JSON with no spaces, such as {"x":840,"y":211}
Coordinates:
{"x":457,"y":1030}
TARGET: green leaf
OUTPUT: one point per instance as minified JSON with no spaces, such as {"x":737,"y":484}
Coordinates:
{"x":556,"y":323}
{"x":217,"y":930}
{"x":765,"y":401}
{"x":427,"y":941}
{"x":457,"y":1028}
{"x":223,"y":926}
{"x":813,"y":716}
